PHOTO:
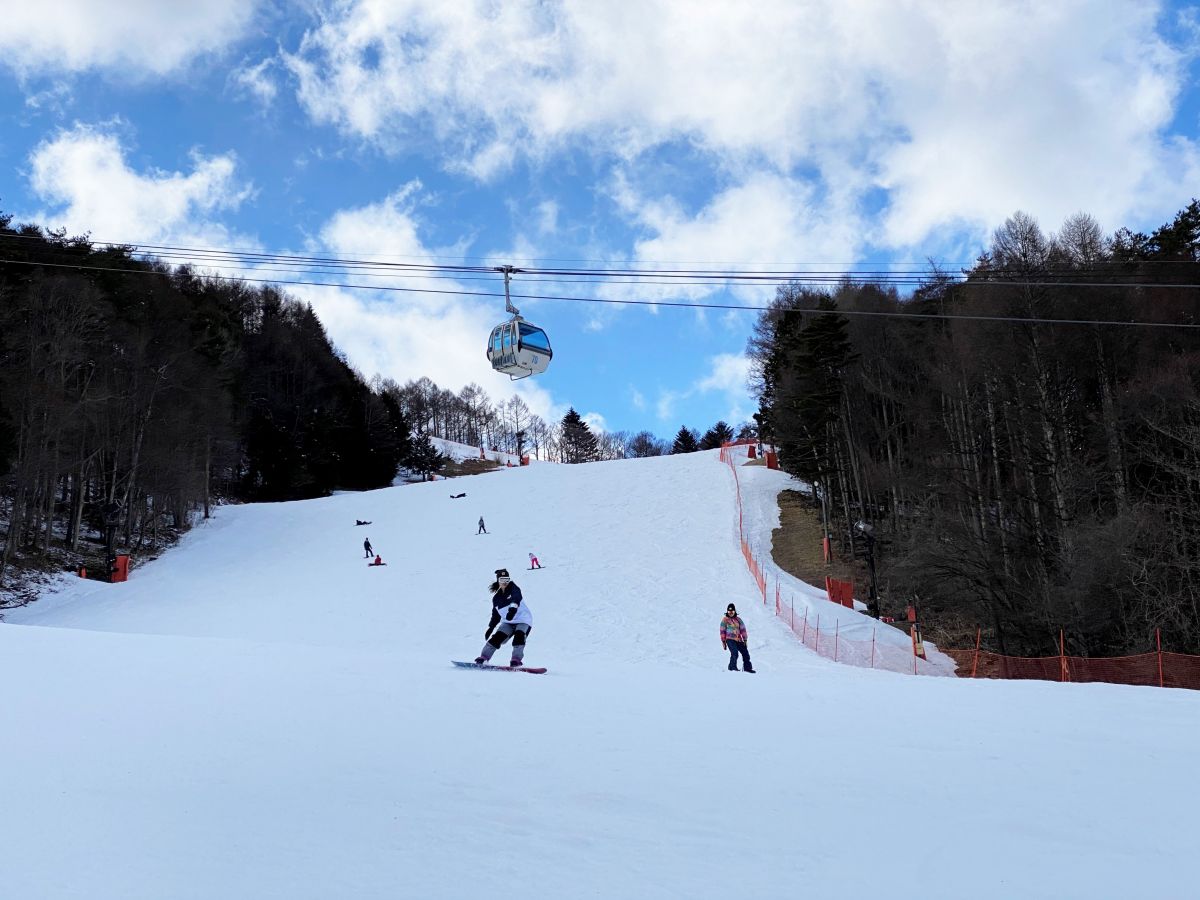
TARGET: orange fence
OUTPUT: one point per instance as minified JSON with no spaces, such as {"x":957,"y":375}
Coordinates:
{"x":1157,"y":669}
{"x":840,"y":592}
{"x":826,"y":639}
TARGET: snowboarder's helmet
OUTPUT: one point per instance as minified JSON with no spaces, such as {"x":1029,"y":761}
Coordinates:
{"x":501,"y":573}
{"x":731,"y":609}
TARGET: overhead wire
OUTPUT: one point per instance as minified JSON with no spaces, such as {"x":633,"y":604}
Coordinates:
{"x":667,"y":303}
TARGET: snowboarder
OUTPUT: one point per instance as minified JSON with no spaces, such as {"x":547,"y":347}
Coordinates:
{"x":733,"y":639}
{"x":533,"y":562}
{"x":367,"y":551}
{"x":457,"y":496}
{"x":361,"y":522}
{"x":482,"y":527}
{"x":511,"y":618}
{"x":378,"y":562}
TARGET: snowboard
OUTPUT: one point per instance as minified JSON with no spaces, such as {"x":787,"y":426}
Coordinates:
{"x":470,"y":665}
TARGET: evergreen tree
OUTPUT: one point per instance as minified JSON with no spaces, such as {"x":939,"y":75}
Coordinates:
{"x":578,"y":443}
{"x":685,"y":441}
{"x":809,"y":395}
{"x":425,"y":459}
{"x":719,"y":434}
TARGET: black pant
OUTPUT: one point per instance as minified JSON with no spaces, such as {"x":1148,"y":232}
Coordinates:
{"x":736,"y":647}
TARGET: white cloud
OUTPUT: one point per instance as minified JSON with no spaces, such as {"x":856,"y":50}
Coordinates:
{"x":726,"y":375}
{"x":547,"y":217}
{"x":136,"y":38}
{"x":82,"y":173}
{"x":765,"y":220}
{"x":960,"y":113}
{"x":56,"y":98}
{"x":637,"y":399}
{"x":595,"y":421}
{"x":257,"y":81}
{"x":730,"y":372}
{"x":409,"y":335}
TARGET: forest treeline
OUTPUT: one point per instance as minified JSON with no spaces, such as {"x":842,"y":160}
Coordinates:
{"x":128,"y":384}
{"x":1023,"y":475}
{"x":151,"y":392}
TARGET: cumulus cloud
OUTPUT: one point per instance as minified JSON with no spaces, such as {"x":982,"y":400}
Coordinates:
{"x":137,"y":38}
{"x":946,"y":116}
{"x":765,"y":220}
{"x":84,"y":177}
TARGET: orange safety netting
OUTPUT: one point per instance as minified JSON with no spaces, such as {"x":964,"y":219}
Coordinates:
{"x":1156,"y":669}
{"x":825,"y":639}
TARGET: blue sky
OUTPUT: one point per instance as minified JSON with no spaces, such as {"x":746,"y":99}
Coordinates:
{"x":724,"y":134}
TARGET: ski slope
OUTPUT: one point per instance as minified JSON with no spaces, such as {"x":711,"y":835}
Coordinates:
{"x":259,"y":714}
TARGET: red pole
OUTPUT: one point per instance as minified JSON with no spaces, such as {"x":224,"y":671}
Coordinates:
{"x":804,"y":636}
{"x":975,"y":662}
{"x":872,"y":648}
{"x":1158,"y":643}
{"x":818,"y":639}
{"x":837,"y":627}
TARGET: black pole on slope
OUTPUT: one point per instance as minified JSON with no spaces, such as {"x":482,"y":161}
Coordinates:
{"x":868,"y":535}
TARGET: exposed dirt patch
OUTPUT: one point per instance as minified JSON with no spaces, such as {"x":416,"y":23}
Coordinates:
{"x":796,"y":543}
{"x":470,"y":467}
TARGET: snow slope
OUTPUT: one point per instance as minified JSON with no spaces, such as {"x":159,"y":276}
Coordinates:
{"x":259,"y":714}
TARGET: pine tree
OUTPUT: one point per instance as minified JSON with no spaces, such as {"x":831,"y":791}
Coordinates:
{"x":425,"y":459}
{"x":685,"y":441}
{"x":578,"y":442}
{"x":809,"y":394}
{"x":719,"y":434}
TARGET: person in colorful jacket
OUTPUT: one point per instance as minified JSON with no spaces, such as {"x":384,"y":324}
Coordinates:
{"x":511,"y":618}
{"x":733,"y":639}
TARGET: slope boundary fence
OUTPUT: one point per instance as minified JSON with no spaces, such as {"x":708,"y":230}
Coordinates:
{"x":1158,"y":668}
{"x":824,"y":638}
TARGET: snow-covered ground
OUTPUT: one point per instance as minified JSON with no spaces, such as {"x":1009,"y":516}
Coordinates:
{"x":459,"y":452}
{"x":258,"y":714}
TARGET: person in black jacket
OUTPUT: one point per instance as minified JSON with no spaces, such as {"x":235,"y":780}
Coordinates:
{"x":511,"y":618}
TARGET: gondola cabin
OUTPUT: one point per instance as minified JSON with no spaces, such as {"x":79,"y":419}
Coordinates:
{"x":519,"y":349}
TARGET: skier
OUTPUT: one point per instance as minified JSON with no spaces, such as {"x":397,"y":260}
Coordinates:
{"x":733,"y":639}
{"x":482,"y":527}
{"x":533,"y":562}
{"x":367,"y":551}
{"x":511,"y":618}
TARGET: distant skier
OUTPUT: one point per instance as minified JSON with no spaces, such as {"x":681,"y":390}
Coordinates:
{"x":533,"y":562}
{"x":511,"y":618}
{"x":378,"y":562}
{"x":367,"y":551}
{"x":482,"y":527}
{"x":733,"y":639}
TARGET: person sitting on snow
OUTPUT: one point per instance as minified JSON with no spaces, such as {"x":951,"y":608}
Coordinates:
{"x":511,"y":618}
{"x":378,"y":562}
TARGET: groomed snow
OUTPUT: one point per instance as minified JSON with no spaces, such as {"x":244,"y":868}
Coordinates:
{"x":258,"y":714}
